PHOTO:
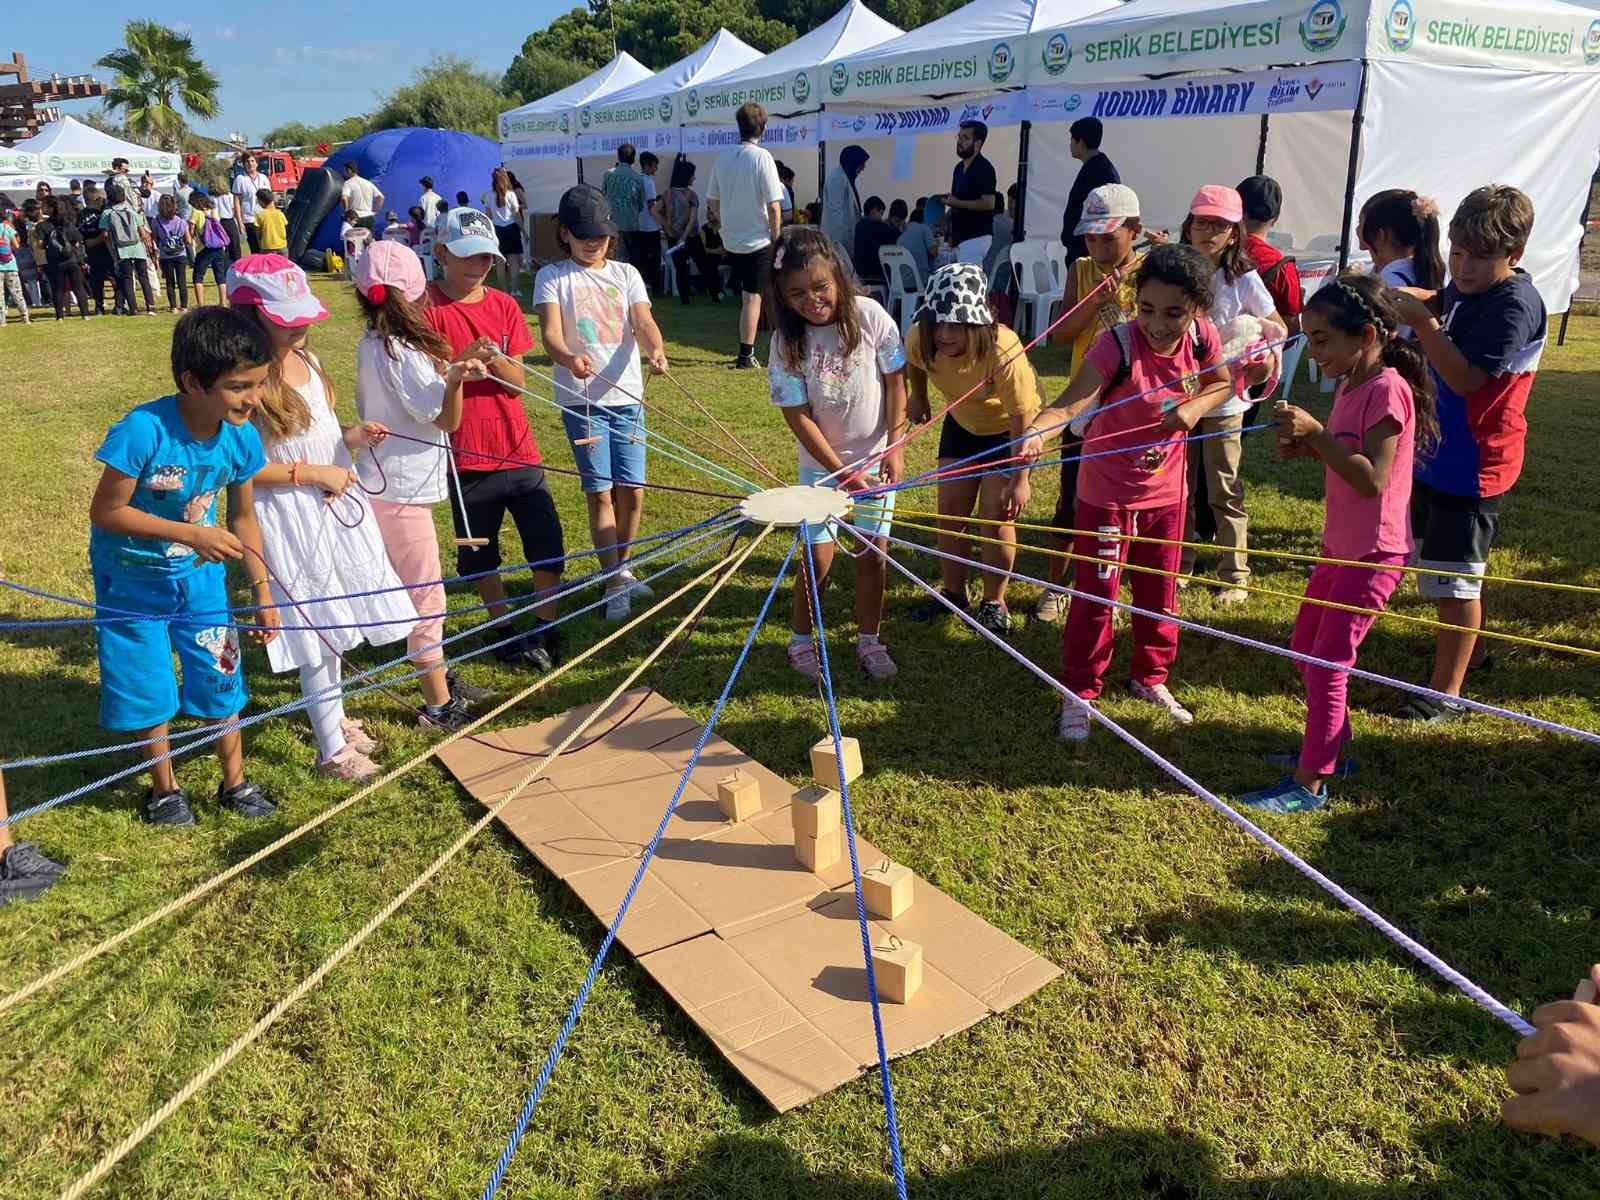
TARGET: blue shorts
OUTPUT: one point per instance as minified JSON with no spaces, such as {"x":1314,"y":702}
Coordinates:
{"x":618,"y":457}
{"x":138,"y":686}
{"x":873,"y":516}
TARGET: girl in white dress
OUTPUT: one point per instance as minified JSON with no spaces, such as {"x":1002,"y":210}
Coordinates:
{"x":321,"y":541}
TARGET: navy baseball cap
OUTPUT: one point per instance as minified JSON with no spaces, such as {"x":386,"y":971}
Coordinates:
{"x":586,"y":213}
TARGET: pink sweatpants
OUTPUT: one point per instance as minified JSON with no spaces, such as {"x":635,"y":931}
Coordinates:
{"x":413,"y":546}
{"x":1335,"y":635}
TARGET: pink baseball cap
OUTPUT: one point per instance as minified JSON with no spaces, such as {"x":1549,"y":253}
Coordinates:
{"x":277,"y":287}
{"x":389,"y":265}
{"x":1217,"y":201}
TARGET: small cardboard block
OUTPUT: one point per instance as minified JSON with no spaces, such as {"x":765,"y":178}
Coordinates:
{"x":739,"y":796}
{"x":897,"y":967}
{"x":887,"y":889}
{"x":815,"y":811}
{"x":825,"y":766}
{"x":817,"y":853}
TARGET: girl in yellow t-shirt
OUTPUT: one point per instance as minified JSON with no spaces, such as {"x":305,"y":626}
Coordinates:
{"x":957,"y":344}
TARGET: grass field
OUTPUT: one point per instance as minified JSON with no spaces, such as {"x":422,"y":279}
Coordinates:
{"x":1222,"y":1029}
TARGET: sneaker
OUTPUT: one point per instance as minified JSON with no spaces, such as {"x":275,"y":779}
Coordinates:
{"x":248,"y":800}
{"x":1286,"y":797}
{"x":619,"y":605}
{"x":25,"y":874}
{"x":875,"y":660}
{"x":1162,"y":699}
{"x":1051,"y":609}
{"x":527,"y":651}
{"x":1231,"y":597}
{"x":931,"y":610}
{"x":349,"y":765}
{"x":170,"y":808}
{"x":995,"y":617}
{"x":355,"y":734}
{"x":803,"y":658}
{"x":449,"y":717}
{"x":744,"y":363}
{"x":463,"y":691}
{"x":551,"y":640}
{"x":1346,"y":768}
{"x":1425,"y":710}
{"x":639,"y":591}
{"x":1073,"y":723}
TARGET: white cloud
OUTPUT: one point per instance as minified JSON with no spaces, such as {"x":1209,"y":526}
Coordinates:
{"x":341,"y":55}
{"x":226,"y":33}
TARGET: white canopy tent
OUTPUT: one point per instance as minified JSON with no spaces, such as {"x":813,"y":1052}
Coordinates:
{"x":65,"y":150}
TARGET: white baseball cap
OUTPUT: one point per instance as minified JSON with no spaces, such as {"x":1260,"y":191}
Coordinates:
{"x":277,"y":287}
{"x":467,"y":232}
{"x":1106,"y":208}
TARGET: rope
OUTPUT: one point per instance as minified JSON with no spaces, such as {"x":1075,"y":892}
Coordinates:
{"x":154,"y":1121}
{"x":1416,"y":949}
{"x":525,"y":1117}
{"x":704,"y":439}
{"x":728,"y":433}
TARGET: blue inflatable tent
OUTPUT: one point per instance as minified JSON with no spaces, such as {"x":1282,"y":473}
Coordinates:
{"x":395,"y":159}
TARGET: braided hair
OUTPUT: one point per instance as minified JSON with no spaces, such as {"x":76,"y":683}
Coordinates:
{"x":1351,"y":302}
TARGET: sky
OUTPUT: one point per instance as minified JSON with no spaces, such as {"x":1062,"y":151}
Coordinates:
{"x":291,"y":60}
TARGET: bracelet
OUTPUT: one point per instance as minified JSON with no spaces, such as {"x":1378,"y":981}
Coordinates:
{"x":255,"y":583}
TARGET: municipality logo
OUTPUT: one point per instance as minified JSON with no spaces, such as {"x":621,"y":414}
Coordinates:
{"x":583,"y":117}
{"x":664,"y":109}
{"x":1057,"y":54}
{"x":691,"y":103}
{"x":1400,"y":27}
{"x":1591,"y":44}
{"x":566,"y":123}
{"x":1323,"y":26}
{"x":802,"y":87}
{"x":56,"y":163}
{"x":1000,"y":62}
{"x":505,"y":127}
{"x":24,"y":162}
{"x":838,"y":79}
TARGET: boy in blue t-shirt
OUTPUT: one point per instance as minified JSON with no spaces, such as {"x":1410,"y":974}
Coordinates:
{"x":156,"y":548}
{"x":1483,"y":336}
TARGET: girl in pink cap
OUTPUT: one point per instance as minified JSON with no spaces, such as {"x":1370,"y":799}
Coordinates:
{"x":325,"y":559}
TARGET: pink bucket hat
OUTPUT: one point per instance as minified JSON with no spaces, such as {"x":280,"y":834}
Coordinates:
{"x":1217,"y":201}
{"x":388,"y":265}
{"x":277,"y":287}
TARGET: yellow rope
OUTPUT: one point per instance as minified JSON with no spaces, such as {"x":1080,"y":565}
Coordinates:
{"x":1262,"y":591}
{"x":210,"y":885}
{"x":151,"y":1123}
{"x":728,"y":433}
{"x":1284,"y":554}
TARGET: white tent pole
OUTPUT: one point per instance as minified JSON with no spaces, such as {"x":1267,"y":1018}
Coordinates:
{"x":1356,"y":120}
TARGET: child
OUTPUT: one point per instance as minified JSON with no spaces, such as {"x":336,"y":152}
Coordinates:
{"x":496,"y":454}
{"x":415,"y":224}
{"x":1215,"y":227}
{"x":322,"y":550}
{"x":1382,"y":415}
{"x":590,"y":311}
{"x":399,"y":383}
{"x":957,"y":344}
{"x":837,"y":373}
{"x":210,"y":245}
{"x":25,"y":874}
{"x":272,"y":227}
{"x":1168,"y":356}
{"x":1400,"y":229}
{"x":1109,"y":227}
{"x":155,"y":547}
{"x":1483,"y":336}
{"x":172,"y":248}
{"x":1262,"y":197}
{"x":10,"y":274}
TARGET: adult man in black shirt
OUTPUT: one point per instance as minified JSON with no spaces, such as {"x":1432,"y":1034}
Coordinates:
{"x":972,"y":193}
{"x":1097,"y":171}
{"x":873,"y":233}
{"x":102,"y":269}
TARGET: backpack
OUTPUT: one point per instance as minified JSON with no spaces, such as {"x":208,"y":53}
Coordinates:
{"x":169,"y":238}
{"x":56,"y":246}
{"x":1124,"y":340}
{"x":214,"y":236}
{"x":124,"y":228}
{"x":7,"y":240}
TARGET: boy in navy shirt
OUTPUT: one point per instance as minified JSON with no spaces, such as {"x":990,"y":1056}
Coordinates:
{"x":1483,"y":336}
{"x":155,"y":548}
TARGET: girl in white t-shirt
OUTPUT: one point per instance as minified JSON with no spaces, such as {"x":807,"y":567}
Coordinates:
{"x":837,"y":371}
{"x":402,"y":383}
{"x":1215,"y":227}
{"x":594,"y":317}
{"x":1400,"y":229}
{"x":505,"y":210}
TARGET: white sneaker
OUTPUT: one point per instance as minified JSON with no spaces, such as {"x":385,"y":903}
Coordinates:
{"x":1073,"y":723}
{"x":619,"y":605}
{"x":637,"y":590}
{"x":1231,"y":597}
{"x":1164,"y":700}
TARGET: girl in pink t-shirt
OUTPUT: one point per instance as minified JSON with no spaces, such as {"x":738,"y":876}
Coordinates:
{"x":1382,"y":416}
{"x":1160,"y":374}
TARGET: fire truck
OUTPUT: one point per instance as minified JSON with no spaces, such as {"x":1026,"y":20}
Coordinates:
{"x":284,"y":168}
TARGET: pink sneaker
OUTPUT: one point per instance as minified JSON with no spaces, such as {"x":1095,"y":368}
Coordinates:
{"x":1162,"y":699}
{"x":803,"y":658}
{"x":355,"y":735}
{"x":349,"y":765}
{"x":875,"y":661}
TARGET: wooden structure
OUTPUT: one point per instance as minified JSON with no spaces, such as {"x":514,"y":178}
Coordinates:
{"x":24,"y":103}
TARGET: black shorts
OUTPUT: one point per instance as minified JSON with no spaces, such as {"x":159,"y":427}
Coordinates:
{"x":955,"y":442}
{"x":751,"y":271}
{"x":1452,"y":533}
{"x":510,"y":239}
{"x":488,"y":496}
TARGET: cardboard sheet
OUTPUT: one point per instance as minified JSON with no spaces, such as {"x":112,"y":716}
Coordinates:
{"x":762,"y":954}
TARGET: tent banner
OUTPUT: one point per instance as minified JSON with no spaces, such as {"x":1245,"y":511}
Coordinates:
{"x":780,"y":134}
{"x":975,"y":67}
{"x":1332,"y":88}
{"x":653,"y":112}
{"x":557,"y":147}
{"x":535,"y":127}
{"x":1470,"y":33}
{"x":14,"y":162}
{"x":1010,"y":108}
{"x":659,"y":141}
{"x":789,"y":93}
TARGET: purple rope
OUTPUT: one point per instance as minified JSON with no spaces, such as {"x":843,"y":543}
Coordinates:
{"x":1400,"y":938}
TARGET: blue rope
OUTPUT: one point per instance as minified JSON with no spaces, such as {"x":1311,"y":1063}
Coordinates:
{"x":497,"y":1177}
{"x":887,"y":1086}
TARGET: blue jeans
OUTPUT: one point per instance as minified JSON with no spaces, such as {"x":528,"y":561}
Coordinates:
{"x":618,"y":457}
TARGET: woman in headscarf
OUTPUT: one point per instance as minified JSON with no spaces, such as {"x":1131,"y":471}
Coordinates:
{"x":841,"y":203}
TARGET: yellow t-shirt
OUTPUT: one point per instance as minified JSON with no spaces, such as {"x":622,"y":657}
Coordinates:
{"x":272,"y":228}
{"x":1014,"y":391}
{"x":1113,"y":310}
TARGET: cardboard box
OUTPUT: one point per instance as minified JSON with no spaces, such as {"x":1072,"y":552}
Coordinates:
{"x":816,"y":811}
{"x":739,"y":796}
{"x":887,"y":889}
{"x":817,"y":853}
{"x":897,"y":968}
{"x":825,"y":766}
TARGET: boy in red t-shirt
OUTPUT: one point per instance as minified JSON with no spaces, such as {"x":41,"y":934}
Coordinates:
{"x":1263,"y":204}
{"x":497,"y":457}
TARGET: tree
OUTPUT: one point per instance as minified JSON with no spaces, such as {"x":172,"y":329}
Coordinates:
{"x":297,"y":133}
{"x":537,"y":72}
{"x":449,"y":93}
{"x":656,"y":32}
{"x":157,"y":70}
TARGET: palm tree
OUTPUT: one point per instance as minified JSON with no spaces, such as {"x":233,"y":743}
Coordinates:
{"x":158,"y":70}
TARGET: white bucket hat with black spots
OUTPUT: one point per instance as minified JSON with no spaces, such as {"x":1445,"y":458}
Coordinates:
{"x":958,"y":294}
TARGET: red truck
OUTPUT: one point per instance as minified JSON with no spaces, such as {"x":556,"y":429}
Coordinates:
{"x":284,"y":168}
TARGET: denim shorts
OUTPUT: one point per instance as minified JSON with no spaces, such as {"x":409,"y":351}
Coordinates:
{"x":618,"y":457}
{"x":872,"y":516}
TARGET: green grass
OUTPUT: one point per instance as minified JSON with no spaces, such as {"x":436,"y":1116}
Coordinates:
{"x":1221,"y":1030}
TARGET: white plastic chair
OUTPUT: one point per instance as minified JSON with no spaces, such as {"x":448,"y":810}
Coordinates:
{"x":1037,"y":285}
{"x":1314,"y":273}
{"x":905,"y":285}
{"x":355,"y":245}
{"x":1058,"y":262}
